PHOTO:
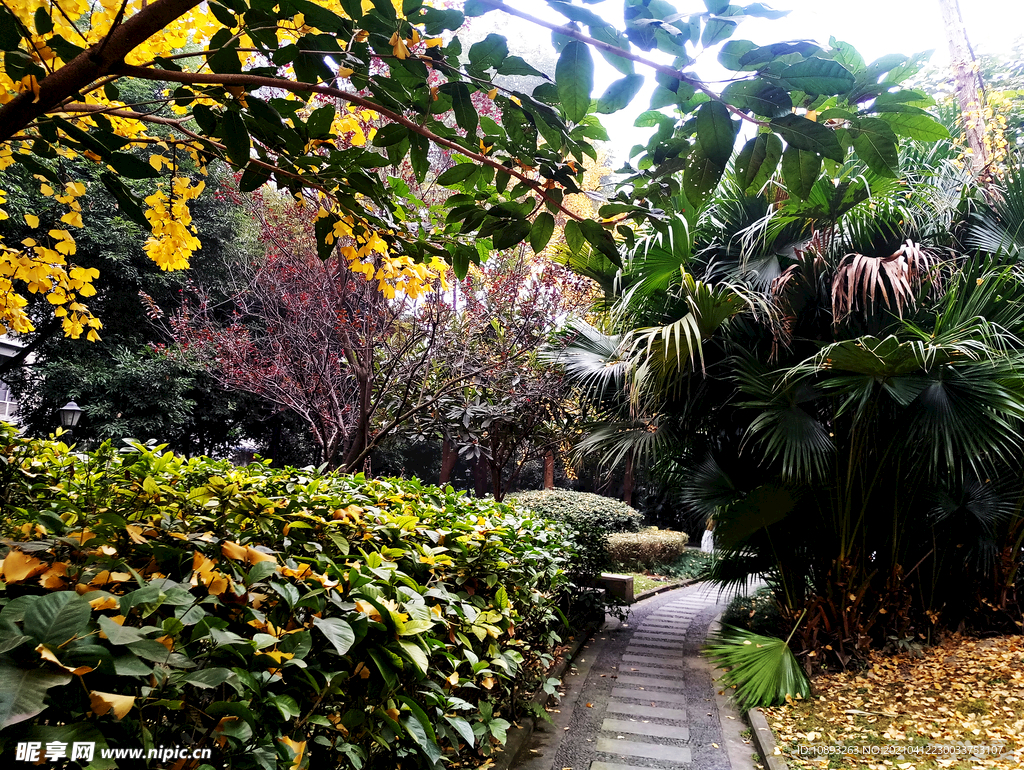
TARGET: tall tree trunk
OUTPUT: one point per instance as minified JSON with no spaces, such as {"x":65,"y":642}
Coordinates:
{"x":970,"y":90}
{"x":480,"y":480}
{"x":549,"y":469}
{"x":628,"y":482}
{"x":448,"y":459}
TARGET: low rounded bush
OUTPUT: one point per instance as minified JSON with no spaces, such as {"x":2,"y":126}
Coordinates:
{"x":281,"y":618}
{"x":646,"y":549}
{"x":583,"y":508}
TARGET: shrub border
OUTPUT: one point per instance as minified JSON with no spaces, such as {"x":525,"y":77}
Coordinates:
{"x":521,"y":732}
{"x":662,"y":589}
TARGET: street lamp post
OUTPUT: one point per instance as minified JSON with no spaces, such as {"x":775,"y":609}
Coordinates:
{"x":69,"y":415}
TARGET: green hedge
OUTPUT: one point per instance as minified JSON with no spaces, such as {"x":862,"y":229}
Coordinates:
{"x":647,"y":548}
{"x":283,"y":618}
{"x":591,"y":518}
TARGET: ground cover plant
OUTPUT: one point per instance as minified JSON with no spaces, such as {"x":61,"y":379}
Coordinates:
{"x":272,"y":615}
{"x":963,"y":691}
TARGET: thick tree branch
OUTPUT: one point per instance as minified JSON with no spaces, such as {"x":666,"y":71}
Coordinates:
{"x":93,"y":63}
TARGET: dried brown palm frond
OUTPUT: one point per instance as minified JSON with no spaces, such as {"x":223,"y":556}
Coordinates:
{"x":864,"y":283}
{"x":803,"y":287}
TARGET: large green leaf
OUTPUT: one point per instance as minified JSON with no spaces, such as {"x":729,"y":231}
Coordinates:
{"x":338,"y":632}
{"x":716,"y":131}
{"x":489,"y":52}
{"x":55,"y":619}
{"x":816,"y":76}
{"x":807,"y":135}
{"x":542,"y":230}
{"x":22,"y":692}
{"x":235,"y":137}
{"x":914,"y":125}
{"x":574,"y":76}
{"x":876,"y":144}
{"x":757,"y":162}
{"x":701,"y":176}
{"x":758,"y":96}
{"x":619,"y":94}
{"x":800,"y":170}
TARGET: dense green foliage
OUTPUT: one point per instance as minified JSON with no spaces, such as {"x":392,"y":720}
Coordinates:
{"x":591,"y":518}
{"x":266,"y":613}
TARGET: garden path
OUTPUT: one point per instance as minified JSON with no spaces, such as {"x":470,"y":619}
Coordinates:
{"x":643,"y":698}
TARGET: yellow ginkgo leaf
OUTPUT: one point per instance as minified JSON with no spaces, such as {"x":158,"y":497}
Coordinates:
{"x":54,"y":577}
{"x":102,"y":702}
{"x":298,"y":748}
{"x":32,"y":220}
{"x":104,"y":603}
{"x":18,"y":566}
{"x":233,"y":550}
{"x":47,"y":654}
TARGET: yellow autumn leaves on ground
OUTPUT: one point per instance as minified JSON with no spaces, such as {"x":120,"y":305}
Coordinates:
{"x":962,"y":691}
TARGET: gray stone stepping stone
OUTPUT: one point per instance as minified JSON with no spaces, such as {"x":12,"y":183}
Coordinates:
{"x":645,"y":750}
{"x":660,"y":631}
{"x":649,"y":695}
{"x":645,"y":728}
{"x":655,"y":712}
{"x":650,"y":681}
{"x":615,"y":766}
{"x":653,"y":671}
{"x":661,"y":644}
{"x":652,"y":658}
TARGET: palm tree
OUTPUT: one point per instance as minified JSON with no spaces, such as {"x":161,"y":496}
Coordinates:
{"x":835,"y":380}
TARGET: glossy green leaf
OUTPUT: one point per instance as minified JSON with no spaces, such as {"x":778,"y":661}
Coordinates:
{"x":541,"y":232}
{"x":757,"y":162}
{"x":716,"y":131}
{"x":619,"y":94}
{"x":57,"y":618}
{"x":759,"y":97}
{"x":807,"y":135}
{"x":456,"y":174}
{"x":23,"y":692}
{"x":574,"y":76}
{"x":235,"y":136}
{"x":876,"y":144}
{"x":818,"y":76}
{"x":800,"y":169}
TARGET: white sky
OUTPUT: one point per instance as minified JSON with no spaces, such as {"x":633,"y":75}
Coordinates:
{"x":873,"y":27}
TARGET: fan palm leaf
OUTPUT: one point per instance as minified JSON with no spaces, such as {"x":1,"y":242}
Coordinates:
{"x":762,"y":669}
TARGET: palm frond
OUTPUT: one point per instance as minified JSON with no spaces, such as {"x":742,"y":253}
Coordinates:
{"x":762,"y":669}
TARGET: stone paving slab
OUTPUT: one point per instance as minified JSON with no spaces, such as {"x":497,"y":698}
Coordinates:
{"x":645,"y":728}
{"x":660,"y":673}
{"x":646,"y":750}
{"x":648,"y":695}
{"x":646,"y":681}
{"x":654,"y":712}
{"x":655,"y":644}
{"x":616,"y":766}
{"x":652,"y":658}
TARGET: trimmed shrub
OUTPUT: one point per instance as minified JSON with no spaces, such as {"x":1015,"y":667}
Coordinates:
{"x":647,"y":548}
{"x":282,"y":618}
{"x":591,"y":518}
{"x":584,"y":509}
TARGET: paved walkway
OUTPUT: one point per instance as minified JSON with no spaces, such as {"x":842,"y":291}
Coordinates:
{"x":642,"y":697}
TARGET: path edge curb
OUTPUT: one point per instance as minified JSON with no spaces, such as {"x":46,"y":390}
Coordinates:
{"x":519,"y":735}
{"x":663,"y":589}
{"x":764,"y":740}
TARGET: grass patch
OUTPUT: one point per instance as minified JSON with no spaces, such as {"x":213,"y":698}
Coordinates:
{"x":644,"y":582}
{"x":962,"y":691}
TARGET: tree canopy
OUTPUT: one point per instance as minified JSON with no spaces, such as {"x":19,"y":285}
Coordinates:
{"x":318,"y":98}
